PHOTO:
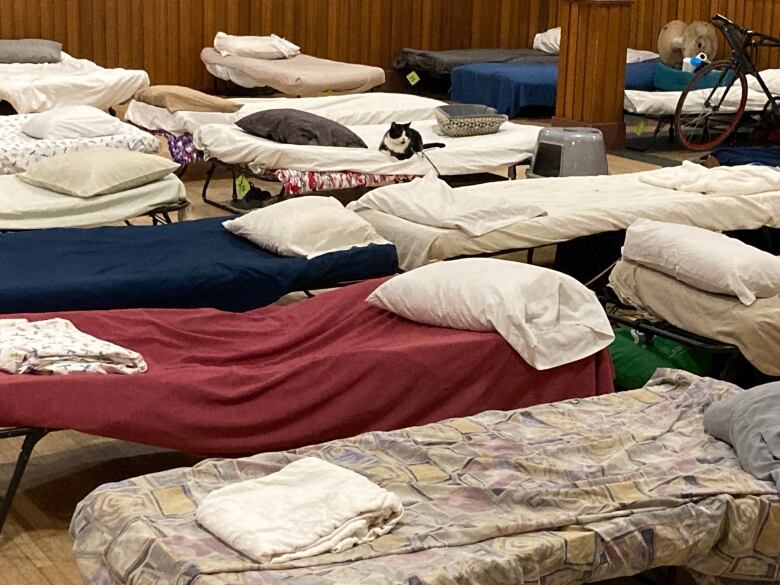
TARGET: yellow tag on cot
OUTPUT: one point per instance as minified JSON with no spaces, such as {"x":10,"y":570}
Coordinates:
{"x":242,"y":185}
{"x":413,"y":78}
{"x":640,"y":127}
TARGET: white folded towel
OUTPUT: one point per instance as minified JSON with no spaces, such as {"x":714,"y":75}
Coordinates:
{"x":55,"y":346}
{"x":310,"y":507}
{"x":431,"y":201}
{"x":722,"y":181}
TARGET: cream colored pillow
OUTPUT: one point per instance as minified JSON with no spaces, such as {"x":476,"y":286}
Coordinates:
{"x":97,"y":171}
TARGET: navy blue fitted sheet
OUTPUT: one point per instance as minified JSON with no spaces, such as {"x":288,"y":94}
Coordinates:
{"x":182,"y":265}
{"x":510,"y":87}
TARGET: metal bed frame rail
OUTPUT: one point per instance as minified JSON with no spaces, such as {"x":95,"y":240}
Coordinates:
{"x":31,"y":437}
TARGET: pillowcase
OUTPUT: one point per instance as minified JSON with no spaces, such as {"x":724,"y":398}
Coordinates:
{"x":176,"y":98}
{"x":305,"y":226}
{"x":97,"y":171}
{"x":289,"y":126}
{"x":707,"y":260}
{"x":272,"y":47}
{"x":431,"y":201}
{"x":71,"y":122}
{"x":549,"y":41}
{"x":549,"y":318}
{"x":30,"y":51}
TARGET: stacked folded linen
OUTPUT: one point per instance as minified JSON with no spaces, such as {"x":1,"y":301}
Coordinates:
{"x":431,"y":201}
{"x":270,"y":47}
{"x":722,"y":181}
{"x":55,"y":346}
{"x":309,"y":508}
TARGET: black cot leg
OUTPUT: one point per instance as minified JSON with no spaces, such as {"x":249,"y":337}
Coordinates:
{"x":31,"y":438}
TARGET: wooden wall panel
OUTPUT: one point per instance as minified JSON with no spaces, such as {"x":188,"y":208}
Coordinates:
{"x":165,"y":36}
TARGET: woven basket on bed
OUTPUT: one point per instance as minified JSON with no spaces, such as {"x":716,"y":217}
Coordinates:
{"x":468,"y":120}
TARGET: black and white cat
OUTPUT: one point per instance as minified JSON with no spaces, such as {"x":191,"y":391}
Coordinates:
{"x":403,"y":142}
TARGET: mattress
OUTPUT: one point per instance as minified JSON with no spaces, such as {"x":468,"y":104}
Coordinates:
{"x":301,"y":76}
{"x":664,"y":103}
{"x":474,"y":154}
{"x":282,"y":377}
{"x":510,"y":87}
{"x":18,"y":151}
{"x":186,"y":264}
{"x":754,"y":329}
{"x":441,"y":63}
{"x":567,"y":493}
{"x":352,"y":109}
{"x":24,"y":207}
{"x":576,"y":207}
{"x":38,"y":87}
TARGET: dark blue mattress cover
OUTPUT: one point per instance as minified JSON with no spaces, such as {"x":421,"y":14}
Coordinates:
{"x":509,"y":87}
{"x":188,"y":264}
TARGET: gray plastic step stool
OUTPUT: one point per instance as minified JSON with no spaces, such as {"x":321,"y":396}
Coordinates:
{"x":569,"y":152}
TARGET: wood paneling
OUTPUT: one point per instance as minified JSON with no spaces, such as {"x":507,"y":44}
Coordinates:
{"x":165,"y":37}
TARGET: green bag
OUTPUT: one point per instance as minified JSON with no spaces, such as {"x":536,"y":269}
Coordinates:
{"x":636,"y":358}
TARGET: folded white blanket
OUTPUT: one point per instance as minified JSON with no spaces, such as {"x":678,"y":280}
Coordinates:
{"x":55,"y":346}
{"x":310,"y":507}
{"x":724,"y":181}
{"x":431,"y":201}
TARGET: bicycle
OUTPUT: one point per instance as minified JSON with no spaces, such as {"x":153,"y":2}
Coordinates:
{"x":713,"y":103}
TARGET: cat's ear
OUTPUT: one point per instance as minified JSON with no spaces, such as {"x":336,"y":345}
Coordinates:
{"x":393,"y":125}
{"x":407,"y":125}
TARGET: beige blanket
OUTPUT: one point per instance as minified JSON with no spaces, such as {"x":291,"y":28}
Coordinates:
{"x":754,"y":329}
{"x":301,"y":76}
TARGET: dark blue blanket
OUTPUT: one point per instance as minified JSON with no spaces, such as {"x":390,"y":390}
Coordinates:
{"x":510,"y":87}
{"x":748,"y":155}
{"x":188,"y":264}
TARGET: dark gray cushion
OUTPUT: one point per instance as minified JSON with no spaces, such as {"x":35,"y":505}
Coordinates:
{"x":750,"y":422}
{"x":297,"y":127}
{"x":30,"y":51}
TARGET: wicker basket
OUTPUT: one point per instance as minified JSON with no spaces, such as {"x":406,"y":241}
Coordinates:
{"x":468,"y":120}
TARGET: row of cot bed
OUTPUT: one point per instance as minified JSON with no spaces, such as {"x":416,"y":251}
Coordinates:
{"x":560,"y":481}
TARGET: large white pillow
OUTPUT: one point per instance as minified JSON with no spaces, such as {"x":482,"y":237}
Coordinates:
{"x":549,"y":41}
{"x":71,"y":122}
{"x":431,"y":201}
{"x":271,"y":47}
{"x":305,"y":226}
{"x":707,"y":260}
{"x":549,"y":318}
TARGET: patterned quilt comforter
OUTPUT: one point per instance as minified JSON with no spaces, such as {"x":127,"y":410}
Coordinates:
{"x":19,"y":151}
{"x":559,"y":494}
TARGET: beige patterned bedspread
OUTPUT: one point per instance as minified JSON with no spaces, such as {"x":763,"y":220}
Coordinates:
{"x":558,"y":494}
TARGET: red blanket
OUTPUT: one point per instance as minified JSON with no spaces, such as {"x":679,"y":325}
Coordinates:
{"x":283,"y":377}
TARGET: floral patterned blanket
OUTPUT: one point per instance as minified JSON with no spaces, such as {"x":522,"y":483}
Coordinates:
{"x":18,"y":151}
{"x":558,"y":494}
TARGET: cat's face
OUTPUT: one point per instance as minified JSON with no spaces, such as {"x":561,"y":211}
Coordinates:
{"x":398,"y":130}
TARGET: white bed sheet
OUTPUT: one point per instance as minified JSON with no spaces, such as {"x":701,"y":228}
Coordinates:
{"x":18,"y":151}
{"x":512,"y":144}
{"x":24,"y":207}
{"x":351,"y":110}
{"x":664,"y":103}
{"x":39,"y":87}
{"x":575,"y":206}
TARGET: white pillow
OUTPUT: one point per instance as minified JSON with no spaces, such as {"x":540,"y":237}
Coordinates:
{"x":549,"y":318}
{"x":707,"y":260}
{"x":549,"y":41}
{"x":305,"y":226}
{"x":272,"y":47}
{"x":71,"y":122}
{"x":431,"y":201}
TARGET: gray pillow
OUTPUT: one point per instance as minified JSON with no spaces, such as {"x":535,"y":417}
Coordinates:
{"x":289,"y":126}
{"x":30,"y":51}
{"x":749,"y":422}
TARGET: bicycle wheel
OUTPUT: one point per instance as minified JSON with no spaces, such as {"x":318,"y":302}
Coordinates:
{"x":711,"y":106}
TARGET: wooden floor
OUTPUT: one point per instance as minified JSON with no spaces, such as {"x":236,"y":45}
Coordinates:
{"x":35,"y":547}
